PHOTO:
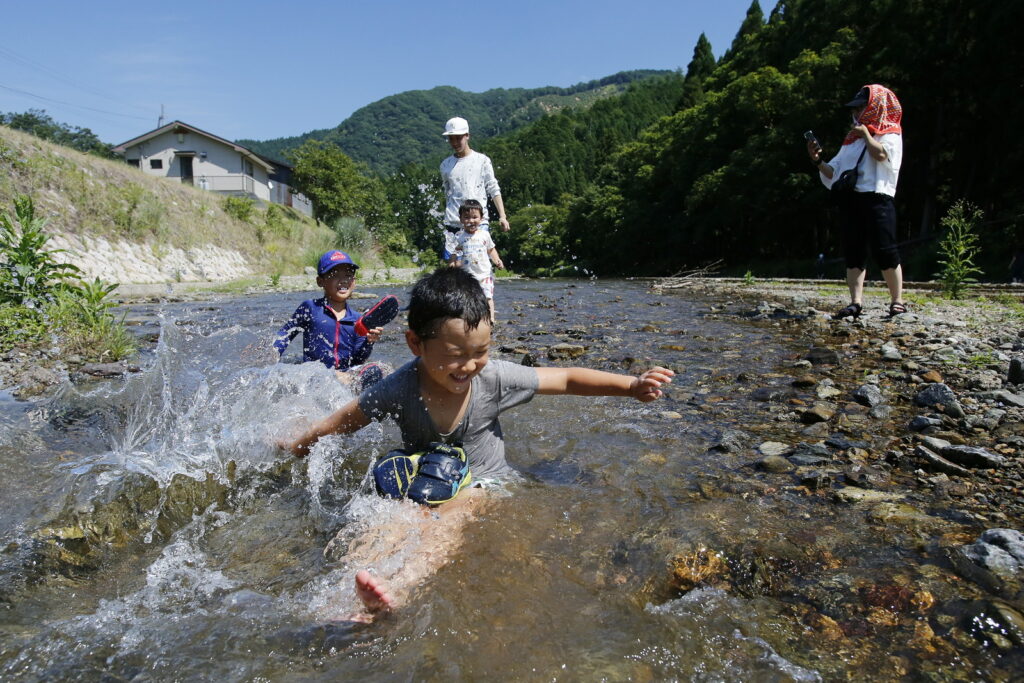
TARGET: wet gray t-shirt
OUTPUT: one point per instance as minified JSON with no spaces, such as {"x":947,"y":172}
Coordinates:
{"x":499,"y":386}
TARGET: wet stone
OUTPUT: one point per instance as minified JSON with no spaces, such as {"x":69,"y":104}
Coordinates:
{"x":868,"y":395}
{"x":565,"y":351}
{"x":1000,"y":551}
{"x":819,"y":412}
{"x":843,"y":443}
{"x":853,"y":494}
{"x":891,"y":353}
{"x":880,"y":412}
{"x":973,"y":456}
{"x":774,"y":448}
{"x":935,"y":462}
{"x":940,"y":396}
{"x":820,"y":355}
{"x":776,"y":394}
{"x":729,"y":441}
{"x":775,"y":464}
{"x":804,"y":381}
{"x":921,"y":422}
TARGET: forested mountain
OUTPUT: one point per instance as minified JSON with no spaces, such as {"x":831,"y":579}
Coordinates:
{"x":729,"y":177}
{"x":407,"y":127}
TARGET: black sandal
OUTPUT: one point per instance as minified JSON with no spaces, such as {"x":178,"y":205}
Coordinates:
{"x":896,"y":309}
{"x":851,"y":311}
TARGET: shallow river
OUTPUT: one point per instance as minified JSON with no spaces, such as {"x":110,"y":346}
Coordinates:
{"x":151,"y":533}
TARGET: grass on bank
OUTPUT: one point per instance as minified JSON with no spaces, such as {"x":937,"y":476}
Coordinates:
{"x":44,"y":304}
{"x":82,"y":195}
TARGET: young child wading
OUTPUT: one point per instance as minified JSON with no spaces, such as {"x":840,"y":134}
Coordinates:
{"x":328,"y":324}
{"x":475,"y":250}
{"x":452,"y":392}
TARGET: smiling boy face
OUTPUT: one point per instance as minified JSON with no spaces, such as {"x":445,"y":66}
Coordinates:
{"x":338,"y":284}
{"x":470,"y":218}
{"x":454,"y":356}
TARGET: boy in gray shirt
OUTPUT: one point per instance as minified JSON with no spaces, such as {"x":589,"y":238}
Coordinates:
{"x":453,"y":393}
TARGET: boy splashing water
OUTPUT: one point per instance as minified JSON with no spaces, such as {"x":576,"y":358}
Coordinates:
{"x":453,"y":392}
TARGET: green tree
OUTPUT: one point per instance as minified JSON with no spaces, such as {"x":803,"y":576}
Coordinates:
{"x":699,"y":68}
{"x":37,"y":122}
{"x":334,"y":183}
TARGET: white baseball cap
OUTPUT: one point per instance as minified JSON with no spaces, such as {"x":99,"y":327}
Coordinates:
{"x":456,"y":126}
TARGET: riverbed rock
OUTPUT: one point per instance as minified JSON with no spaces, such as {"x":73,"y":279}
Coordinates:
{"x":973,"y":456}
{"x":35,"y":381}
{"x":774,"y":448}
{"x":996,"y":622}
{"x":1001,"y":551}
{"x":868,"y":395}
{"x":107,"y":369}
{"x":819,"y":412}
{"x":729,"y":441}
{"x":853,"y":494}
{"x":776,"y":394}
{"x":776,"y":464}
{"x":940,"y":396}
{"x":935,"y":462}
{"x":565,"y":351}
{"x":820,"y":355}
{"x":891,"y":353}
{"x":1005,"y":397}
{"x":922,"y":422}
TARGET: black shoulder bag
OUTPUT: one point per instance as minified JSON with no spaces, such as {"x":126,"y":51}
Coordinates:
{"x":847,"y":180}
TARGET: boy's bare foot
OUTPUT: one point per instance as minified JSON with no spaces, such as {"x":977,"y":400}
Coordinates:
{"x":372,"y":592}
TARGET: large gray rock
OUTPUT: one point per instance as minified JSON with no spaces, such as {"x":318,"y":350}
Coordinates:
{"x":941,"y":396}
{"x":868,"y":395}
{"x":1000,"y":551}
{"x":972,"y":456}
{"x":935,"y":462}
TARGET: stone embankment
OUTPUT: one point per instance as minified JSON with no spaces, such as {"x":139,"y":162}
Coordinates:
{"x":131,"y":262}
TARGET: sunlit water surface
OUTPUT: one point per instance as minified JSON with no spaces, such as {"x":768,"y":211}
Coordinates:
{"x":203,"y":556}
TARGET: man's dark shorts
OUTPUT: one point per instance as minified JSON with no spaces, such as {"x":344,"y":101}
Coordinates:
{"x":869,"y":223}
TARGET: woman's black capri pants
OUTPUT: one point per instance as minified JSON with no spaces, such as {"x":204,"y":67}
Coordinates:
{"x":869,"y":222}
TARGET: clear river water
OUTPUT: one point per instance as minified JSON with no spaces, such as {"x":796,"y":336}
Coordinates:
{"x":151,"y":532}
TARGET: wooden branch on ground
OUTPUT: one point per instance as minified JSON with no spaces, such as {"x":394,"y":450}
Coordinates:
{"x":686,"y":278}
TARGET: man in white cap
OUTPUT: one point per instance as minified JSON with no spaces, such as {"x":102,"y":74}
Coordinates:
{"x":466,"y":175}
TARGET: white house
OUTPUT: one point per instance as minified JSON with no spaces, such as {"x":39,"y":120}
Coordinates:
{"x":195,"y":157}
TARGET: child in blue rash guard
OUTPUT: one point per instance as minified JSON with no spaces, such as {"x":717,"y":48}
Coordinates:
{"x":327,"y":324}
{"x":452,"y":392}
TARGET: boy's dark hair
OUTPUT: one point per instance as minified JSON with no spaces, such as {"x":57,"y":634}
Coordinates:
{"x":445,"y":294}
{"x":471,"y":204}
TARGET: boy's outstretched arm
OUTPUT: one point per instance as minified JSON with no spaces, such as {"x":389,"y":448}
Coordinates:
{"x":586,"y":382}
{"x":347,"y":419}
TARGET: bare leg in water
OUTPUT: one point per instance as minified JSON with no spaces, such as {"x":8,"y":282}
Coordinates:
{"x":428,"y":543}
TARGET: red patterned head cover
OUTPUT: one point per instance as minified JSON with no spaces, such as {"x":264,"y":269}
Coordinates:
{"x":881,"y":115}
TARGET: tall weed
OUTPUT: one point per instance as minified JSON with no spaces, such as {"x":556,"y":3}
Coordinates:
{"x":30,"y":275}
{"x":959,"y":246}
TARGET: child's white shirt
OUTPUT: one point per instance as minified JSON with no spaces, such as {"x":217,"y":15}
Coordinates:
{"x":472,"y":252}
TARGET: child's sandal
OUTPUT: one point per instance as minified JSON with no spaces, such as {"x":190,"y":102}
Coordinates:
{"x":896,"y":309}
{"x":850,"y":311}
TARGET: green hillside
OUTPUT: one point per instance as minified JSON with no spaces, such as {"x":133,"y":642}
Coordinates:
{"x":406,"y":127}
{"x":84,"y":195}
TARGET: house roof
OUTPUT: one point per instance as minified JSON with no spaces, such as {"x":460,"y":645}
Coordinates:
{"x":179,"y":126}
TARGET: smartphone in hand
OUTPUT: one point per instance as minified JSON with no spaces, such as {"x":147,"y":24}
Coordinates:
{"x":809,"y":136}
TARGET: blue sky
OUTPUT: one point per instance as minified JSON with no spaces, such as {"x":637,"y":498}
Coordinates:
{"x":270,"y":69}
